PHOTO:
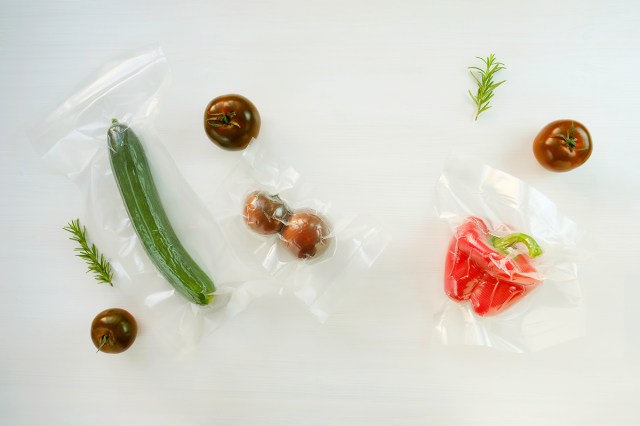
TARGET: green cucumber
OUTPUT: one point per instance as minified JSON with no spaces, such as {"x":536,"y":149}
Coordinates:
{"x":149,"y":219}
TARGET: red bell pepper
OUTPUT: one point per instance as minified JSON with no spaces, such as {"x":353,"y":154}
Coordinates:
{"x":480,"y":269}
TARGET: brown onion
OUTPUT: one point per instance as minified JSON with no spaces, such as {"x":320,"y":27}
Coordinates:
{"x":264,"y":213}
{"x":305,"y":235}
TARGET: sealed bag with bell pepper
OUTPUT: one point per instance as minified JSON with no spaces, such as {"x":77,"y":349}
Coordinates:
{"x":487,"y":270}
{"x":510,"y":266}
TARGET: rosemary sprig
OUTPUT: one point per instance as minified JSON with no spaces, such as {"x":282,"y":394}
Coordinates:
{"x":484,"y":79}
{"x":96,"y":262}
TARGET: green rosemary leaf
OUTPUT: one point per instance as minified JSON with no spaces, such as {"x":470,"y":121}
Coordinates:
{"x":96,"y":262}
{"x":484,"y":80}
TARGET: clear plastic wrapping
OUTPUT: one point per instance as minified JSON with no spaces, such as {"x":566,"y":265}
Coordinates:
{"x":73,"y":141}
{"x":498,"y":292}
{"x":350,"y":247}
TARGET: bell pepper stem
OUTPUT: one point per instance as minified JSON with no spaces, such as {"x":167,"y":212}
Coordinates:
{"x":503,"y":243}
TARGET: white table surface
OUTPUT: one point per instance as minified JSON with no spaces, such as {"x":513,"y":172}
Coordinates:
{"x":367,"y":99}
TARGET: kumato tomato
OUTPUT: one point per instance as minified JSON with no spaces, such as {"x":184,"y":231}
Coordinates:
{"x":562,"y":145}
{"x":114,"y":330}
{"x":231,"y":122}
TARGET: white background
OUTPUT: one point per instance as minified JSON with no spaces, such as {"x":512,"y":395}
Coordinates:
{"x":366,"y":98}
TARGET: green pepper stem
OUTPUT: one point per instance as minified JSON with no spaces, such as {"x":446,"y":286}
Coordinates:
{"x":503,"y":243}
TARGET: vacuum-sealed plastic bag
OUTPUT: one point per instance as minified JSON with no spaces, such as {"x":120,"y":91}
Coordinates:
{"x":74,"y":140}
{"x":282,"y":227}
{"x":510,"y":269}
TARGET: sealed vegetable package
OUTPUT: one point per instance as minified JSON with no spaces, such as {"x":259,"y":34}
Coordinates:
{"x":164,"y":245}
{"x":510,"y":268}
{"x":286,"y":230}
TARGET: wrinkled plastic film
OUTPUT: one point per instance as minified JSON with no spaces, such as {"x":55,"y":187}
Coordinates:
{"x":73,"y":141}
{"x":548,"y":314}
{"x":354,"y":242}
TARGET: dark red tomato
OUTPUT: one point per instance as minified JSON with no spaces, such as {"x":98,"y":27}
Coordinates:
{"x":264,"y":213}
{"x":114,"y":330}
{"x":305,"y":235}
{"x":231,"y":122}
{"x":562,"y":145}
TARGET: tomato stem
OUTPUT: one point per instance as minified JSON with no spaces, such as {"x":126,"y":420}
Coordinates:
{"x":103,"y":341}
{"x":223,"y":119}
{"x":569,"y":138}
